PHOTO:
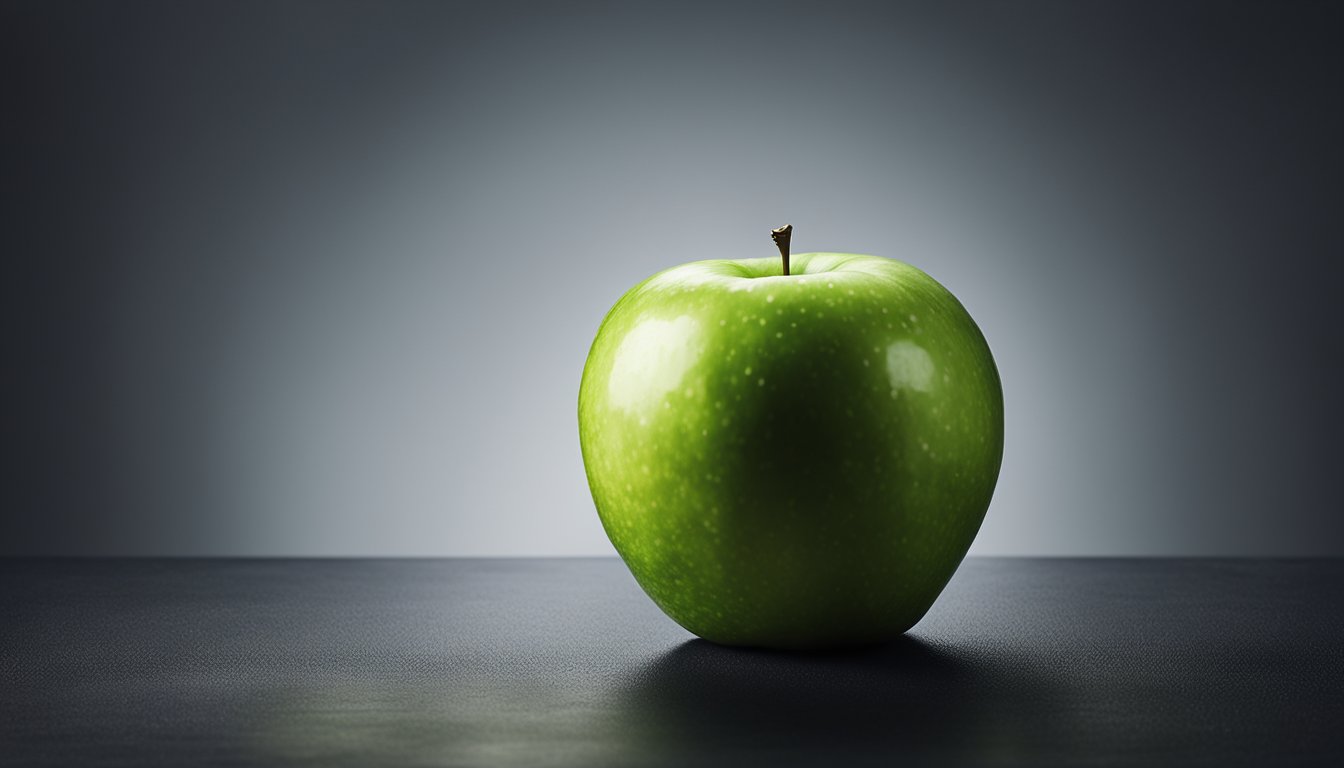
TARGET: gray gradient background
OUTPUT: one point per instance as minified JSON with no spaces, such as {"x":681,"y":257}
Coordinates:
{"x":286,"y":278}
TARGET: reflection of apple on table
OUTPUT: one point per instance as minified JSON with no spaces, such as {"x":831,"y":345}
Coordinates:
{"x":794,"y":452}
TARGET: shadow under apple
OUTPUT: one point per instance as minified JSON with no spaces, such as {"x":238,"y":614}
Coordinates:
{"x":910,"y":700}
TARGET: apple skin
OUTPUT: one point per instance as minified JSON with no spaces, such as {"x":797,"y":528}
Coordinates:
{"x":791,"y":462}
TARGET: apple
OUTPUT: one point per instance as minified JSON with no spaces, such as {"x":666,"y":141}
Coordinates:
{"x":791,"y":456}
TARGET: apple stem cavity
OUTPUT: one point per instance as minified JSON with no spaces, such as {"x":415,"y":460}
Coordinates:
{"x":781,"y":237}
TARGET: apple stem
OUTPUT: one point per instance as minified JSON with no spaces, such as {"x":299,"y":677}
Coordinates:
{"x":781,"y":237}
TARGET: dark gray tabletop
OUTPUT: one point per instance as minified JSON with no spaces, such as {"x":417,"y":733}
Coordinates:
{"x":565,"y":662}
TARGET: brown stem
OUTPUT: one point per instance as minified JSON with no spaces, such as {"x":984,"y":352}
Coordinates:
{"x":781,"y":237}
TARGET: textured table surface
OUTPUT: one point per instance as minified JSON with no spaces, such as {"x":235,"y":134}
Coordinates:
{"x":565,"y":662}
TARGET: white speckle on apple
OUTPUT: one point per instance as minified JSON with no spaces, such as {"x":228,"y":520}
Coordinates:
{"x":748,"y":371}
{"x":914,"y":319}
{"x":760,"y":382}
{"x":769,"y":299}
{"x":779,"y":334}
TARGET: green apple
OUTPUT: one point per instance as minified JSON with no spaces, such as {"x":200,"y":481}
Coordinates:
{"x":791,"y":458}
